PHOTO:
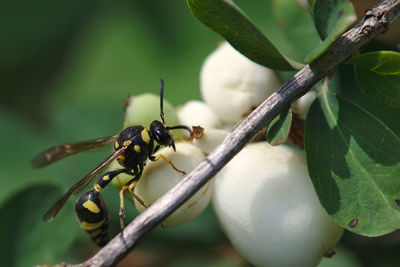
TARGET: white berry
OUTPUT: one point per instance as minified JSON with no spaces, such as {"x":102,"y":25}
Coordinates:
{"x":158,"y":177}
{"x":232,"y":85}
{"x":269,"y":209}
{"x":302,"y":105}
{"x":197,"y":113}
{"x":210,"y":139}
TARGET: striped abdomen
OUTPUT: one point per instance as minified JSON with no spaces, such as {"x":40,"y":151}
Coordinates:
{"x":93,"y":216}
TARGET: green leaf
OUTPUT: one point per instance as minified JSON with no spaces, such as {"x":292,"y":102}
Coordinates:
{"x":354,"y":162}
{"x":331,"y":19}
{"x":345,"y":83}
{"x":378,"y":75}
{"x":223,"y":17}
{"x":283,"y":22}
{"x":26,"y":240}
{"x":279,"y":128}
{"x":296,"y":28}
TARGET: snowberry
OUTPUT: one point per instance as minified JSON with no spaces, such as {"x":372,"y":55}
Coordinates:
{"x":232,"y":85}
{"x":268,"y":207}
{"x":210,"y":139}
{"x":158,"y":177}
{"x":302,"y":105}
{"x":197,"y":113}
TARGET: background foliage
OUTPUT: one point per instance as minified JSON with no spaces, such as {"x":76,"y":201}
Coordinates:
{"x":65,"y":70}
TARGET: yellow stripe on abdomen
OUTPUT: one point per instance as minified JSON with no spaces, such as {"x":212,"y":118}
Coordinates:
{"x":91,"y":226}
{"x":91,"y":206}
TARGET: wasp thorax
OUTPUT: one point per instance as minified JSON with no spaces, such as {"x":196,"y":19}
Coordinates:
{"x":139,"y":144}
{"x":161,"y":134}
{"x":128,"y":134}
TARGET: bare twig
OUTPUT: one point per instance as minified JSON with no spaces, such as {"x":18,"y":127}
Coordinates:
{"x":377,"y":20}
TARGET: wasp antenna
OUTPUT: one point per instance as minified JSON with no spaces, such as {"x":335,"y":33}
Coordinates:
{"x":162,"y":100}
{"x":181,"y":127}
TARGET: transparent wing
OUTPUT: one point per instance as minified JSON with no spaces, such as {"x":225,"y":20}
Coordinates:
{"x":56,"y":153}
{"x":52,"y":212}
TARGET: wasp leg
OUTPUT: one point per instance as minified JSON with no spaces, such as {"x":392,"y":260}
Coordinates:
{"x":130,"y":189}
{"x":130,"y":185}
{"x":154,"y":158}
{"x":106,"y":179}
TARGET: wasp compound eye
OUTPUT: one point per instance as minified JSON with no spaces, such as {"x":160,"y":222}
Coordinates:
{"x":161,"y":134}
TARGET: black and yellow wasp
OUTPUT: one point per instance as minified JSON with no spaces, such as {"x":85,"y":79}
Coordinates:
{"x":132,"y":147}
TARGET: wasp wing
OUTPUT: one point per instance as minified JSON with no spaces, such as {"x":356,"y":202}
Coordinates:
{"x":52,"y":212}
{"x":56,"y":153}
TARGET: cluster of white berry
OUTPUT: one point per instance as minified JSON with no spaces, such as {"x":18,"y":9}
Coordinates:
{"x":263,"y":198}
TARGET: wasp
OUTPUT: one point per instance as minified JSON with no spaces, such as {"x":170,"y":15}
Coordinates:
{"x":132,"y":147}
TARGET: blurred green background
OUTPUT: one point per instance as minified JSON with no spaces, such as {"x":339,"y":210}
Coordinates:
{"x":65,"y":69}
